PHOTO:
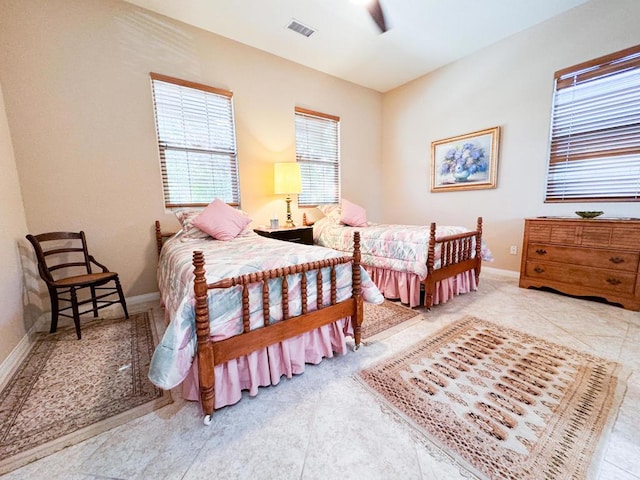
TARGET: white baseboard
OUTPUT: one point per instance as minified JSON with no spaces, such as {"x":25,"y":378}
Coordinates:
{"x":499,"y":271}
{"x":17,"y":355}
{"x":145,"y":297}
{"x":20,"y":351}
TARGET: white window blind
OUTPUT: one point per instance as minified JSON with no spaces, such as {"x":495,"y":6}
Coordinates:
{"x":595,"y":131}
{"x":318,"y":153}
{"x":197,"y":142}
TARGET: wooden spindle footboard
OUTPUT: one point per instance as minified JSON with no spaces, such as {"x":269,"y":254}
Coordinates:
{"x":458,"y":253}
{"x":212,"y":353}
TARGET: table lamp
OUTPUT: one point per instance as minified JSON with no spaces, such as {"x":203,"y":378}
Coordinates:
{"x":287,"y":180}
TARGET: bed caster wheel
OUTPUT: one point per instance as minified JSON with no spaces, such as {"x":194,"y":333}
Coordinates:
{"x":207,"y":420}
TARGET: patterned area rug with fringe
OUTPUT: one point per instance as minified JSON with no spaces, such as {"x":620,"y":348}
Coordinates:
{"x":502,"y":403}
{"x":383,"y":317}
{"x":68,"y":390}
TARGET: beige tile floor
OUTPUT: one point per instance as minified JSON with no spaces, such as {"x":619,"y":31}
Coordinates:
{"x":323,"y":425}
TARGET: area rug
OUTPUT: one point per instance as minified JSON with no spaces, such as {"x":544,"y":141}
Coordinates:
{"x":383,"y":317}
{"x":502,"y":404}
{"x":68,"y":390}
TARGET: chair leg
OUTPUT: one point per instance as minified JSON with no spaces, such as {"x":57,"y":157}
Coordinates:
{"x":53,"y":295}
{"x":94,"y":301}
{"x":121,"y":295}
{"x":76,"y":312}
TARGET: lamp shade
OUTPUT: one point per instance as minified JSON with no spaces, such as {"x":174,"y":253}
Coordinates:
{"x":286,"y":178}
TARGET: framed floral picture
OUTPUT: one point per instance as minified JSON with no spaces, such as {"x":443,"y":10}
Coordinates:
{"x":466,"y":162}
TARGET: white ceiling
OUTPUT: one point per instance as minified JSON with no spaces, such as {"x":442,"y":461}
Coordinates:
{"x":423,"y":34}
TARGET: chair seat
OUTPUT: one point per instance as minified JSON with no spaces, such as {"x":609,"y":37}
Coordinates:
{"x":84,"y":280}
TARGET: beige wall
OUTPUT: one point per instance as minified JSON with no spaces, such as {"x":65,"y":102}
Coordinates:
{"x":78,"y":99}
{"x":74,"y":74}
{"x":13,"y":227}
{"x":508,"y":84}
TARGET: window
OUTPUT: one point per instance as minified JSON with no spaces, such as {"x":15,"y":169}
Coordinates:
{"x":595,"y":131}
{"x":197,"y":142}
{"x":318,"y":153}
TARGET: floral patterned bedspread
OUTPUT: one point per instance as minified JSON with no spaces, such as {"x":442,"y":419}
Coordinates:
{"x":402,"y":248}
{"x":244,"y":254}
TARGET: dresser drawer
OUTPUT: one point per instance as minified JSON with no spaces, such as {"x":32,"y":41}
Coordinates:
{"x":590,"y":257}
{"x":626,"y":237}
{"x":545,"y":232}
{"x":594,"y":235}
{"x":589,"y":277}
{"x":586,"y":234}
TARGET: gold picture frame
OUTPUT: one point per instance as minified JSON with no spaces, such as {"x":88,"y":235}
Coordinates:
{"x":465,"y":162}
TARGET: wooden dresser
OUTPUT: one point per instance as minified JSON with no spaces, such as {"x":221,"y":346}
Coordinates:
{"x":592,"y":258}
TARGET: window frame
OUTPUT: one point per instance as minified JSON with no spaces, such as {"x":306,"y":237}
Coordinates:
{"x":591,"y":145}
{"x":306,"y":163}
{"x":164,"y":145}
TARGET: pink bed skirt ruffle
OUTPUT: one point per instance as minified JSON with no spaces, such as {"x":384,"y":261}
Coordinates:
{"x":406,"y":286}
{"x":267,"y":366}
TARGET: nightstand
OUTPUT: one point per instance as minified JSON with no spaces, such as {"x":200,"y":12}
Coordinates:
{"x":302,"y":235}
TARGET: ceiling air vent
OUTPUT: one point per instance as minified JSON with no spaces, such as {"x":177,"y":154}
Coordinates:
{"x":298,"y":27}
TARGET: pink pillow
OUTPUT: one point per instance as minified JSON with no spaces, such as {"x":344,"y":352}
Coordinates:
{"x":353,"y":215}
{"x":221,"y":221}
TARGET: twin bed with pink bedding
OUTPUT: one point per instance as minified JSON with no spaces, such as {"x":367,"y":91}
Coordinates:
{"x":407,"y":260}
{"x":252,"y":310}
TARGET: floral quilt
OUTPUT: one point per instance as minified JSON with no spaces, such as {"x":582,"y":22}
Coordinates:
{"x":247,"y":253}
{"x":402,"y":248}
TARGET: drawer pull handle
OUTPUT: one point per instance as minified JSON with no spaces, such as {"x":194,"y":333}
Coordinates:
{"x":538,"y":269}
{"x":616,"y":260}
{"x":541,"y":251}
{"x":613,"y":281}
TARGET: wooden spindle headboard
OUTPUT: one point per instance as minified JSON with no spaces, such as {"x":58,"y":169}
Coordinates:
{"x":161,"y":237}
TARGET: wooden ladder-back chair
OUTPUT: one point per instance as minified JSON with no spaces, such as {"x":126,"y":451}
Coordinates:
{"x":65,"y":265}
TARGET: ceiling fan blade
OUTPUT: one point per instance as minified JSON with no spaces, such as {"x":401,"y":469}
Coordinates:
{"x":375,"y":10}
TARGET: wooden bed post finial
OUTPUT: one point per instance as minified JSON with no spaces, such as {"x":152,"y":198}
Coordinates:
{"x":158,"y":237}
{"x":429,"y":283}
{"x":357,"y":258}
{"x":431,"y":248}
{"x":478,"y":250}
{"x":206,"y":363}
{"x":356,"y":285}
